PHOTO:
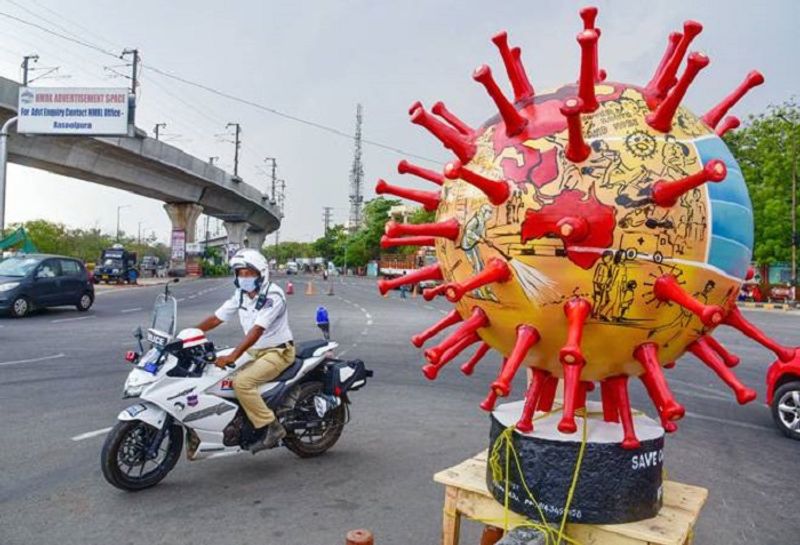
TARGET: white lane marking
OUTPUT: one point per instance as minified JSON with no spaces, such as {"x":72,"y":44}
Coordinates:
{"x":90,"y":434}
{"x":62,"y":320}
{"x":368,"y":315}
{"x":34,"y":360}
{"x":729,"y":422}
{"x":192,"y":296}
{"x":127,"y":310}
{"x":181,"y":299}
{"x":430,"y":307}
{"x":369,"y":322}
{"x":224,"y":454}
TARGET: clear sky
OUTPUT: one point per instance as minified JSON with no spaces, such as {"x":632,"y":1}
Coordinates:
{"x":318,"y":59}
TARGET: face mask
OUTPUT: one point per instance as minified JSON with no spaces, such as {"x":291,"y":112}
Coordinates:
{"x":248,"y":283}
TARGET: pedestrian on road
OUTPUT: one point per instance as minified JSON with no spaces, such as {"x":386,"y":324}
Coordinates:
{"x":403,"y":289}
{"x":266,"y":350}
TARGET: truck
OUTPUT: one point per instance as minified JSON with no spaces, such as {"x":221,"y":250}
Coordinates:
{"x":394,"y":265}
{"x":117,"y":265}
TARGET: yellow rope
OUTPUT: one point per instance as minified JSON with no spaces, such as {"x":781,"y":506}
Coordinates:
{"x":502,"y":473}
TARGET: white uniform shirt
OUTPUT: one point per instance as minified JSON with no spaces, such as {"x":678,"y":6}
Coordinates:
{"x":273,"y":316}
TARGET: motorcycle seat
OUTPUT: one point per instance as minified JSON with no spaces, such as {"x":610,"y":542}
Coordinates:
{"x":290,"y":372}
{"x":305,"y":350}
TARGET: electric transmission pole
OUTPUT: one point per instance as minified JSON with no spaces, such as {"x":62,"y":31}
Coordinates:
{"x":26,"y":67}
{"x":326,"y":217}
{"x":134,"y":79}
{"x":237,"y":143}
{"x":158,"y":127}
{"x":356,"y":177}
{"x":274,"y":166}
{"x":281,"y":197}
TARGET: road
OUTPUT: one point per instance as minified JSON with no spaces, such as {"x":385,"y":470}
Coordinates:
{"x":61,"y":375}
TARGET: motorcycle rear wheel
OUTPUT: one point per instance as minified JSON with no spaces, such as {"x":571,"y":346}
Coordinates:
{"x":126,"y":445}
{"x":322,"y":434}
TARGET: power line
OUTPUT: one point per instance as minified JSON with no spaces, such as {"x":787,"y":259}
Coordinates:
{"x":212,"y":90}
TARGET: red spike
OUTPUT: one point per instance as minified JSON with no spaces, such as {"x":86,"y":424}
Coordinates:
{"x":706,"y":353}
{"x":514,"y":67}
{"x":431,"y":369}
{"x":656,"y":385}
{"x":389,"y":242}
{"x":667,"y":77}
{"x":448,"y":229}
{"x":577,"y":149}
{"x":661,"y":118}
{"x":527,"y":92}
{"x":730,"y":360}
{"x":448,"y":136}
{"x":609,"y":401}
{"x":619,"y":386}
{"x":589,"y":15}
{"x":495,"y":190}
{"x":431,"y":272}
{"x":468,"y":367}
{"x":666,"y":288}
{"x":496,"y":270}
{"x":431,"y":293}
{"x":548,"y":395}
{"x":588,"y":42}
{"x":441,"y":110}
{"x":666,"y":193}
{"x":527,"y":336}
{"x":532,"y":398}
{"x":477,"y":320}
{"x":728,"y":124}
{"x":735,"y":319}
{"x":491,"y":398}
{"x":715,"y":114}
{"x":404,"y":167}
{"x":514,"y":121}
{"x":413,"y":108}
{"x":452,"y":318}
{"x":428,"y":199}
{"x":577,"y":311}
{"x":651,"y":88}
{"x":572,"y":361}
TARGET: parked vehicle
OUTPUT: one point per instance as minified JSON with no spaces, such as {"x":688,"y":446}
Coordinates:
{"x":292,"y":267}
{"x":149,"y":266}
{"x":31,"y":281}
{"x":182,"y":393}
{"x":117,"y":265}
{"x":783,"y":396}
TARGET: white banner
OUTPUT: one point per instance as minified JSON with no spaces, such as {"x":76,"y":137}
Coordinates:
{"x":73,"y":111}
{"x":178,"y":244}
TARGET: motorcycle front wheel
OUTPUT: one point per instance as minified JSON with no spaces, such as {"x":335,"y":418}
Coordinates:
{"x":125,"y":460}
{"x":307,"y":434}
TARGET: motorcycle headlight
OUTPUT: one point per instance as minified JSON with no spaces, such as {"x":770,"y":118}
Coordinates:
{"x":133,"y":391}
{"x":8,"y":286}
{"x":115,"y":271}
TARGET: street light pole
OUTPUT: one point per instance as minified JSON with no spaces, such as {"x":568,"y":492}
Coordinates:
{"x":120,"y":207}
{"x":158,"y":127}
{"x":274,"y":165}
{"x":237,"y":143}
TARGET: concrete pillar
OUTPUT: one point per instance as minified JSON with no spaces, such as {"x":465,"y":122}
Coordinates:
{"x":236,"y":231}
{"x":255,"y":239}
{"x":184,"y":217}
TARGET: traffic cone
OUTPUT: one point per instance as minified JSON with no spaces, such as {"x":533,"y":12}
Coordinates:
{"x":310,"y":289}
{"x":289,"y":288}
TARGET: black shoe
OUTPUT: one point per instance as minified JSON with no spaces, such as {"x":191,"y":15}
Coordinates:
{"x":272,"y":435}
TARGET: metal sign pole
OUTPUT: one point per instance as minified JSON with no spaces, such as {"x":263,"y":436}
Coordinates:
{"x":3,"y":164}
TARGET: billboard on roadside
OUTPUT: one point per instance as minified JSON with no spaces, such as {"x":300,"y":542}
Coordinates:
{"x":86,"y":111}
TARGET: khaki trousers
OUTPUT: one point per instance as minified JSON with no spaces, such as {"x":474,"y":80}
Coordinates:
{"x":267,"y":364}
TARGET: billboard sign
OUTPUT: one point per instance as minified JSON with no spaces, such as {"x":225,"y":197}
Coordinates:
{"x":178,"y":244}
{"x":73,"y":111}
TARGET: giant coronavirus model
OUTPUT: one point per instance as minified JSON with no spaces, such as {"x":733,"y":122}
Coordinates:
{"x":593,"y":233}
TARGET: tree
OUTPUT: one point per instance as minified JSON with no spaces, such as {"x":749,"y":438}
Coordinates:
{"x":764,"y":151}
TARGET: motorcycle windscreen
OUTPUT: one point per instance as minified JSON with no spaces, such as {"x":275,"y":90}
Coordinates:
{"x":165,"y":314}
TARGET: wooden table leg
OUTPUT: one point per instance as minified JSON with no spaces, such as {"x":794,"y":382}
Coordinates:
{"x":451,"y":518}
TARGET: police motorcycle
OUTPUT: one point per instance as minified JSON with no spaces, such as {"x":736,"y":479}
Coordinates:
{"x":181,"y":393}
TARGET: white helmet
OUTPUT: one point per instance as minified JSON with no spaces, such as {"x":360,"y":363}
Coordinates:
{"x":249,"y":258}
{"x":192,"y":337}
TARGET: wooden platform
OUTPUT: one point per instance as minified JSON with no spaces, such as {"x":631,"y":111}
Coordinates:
{"x":466,"y":495}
